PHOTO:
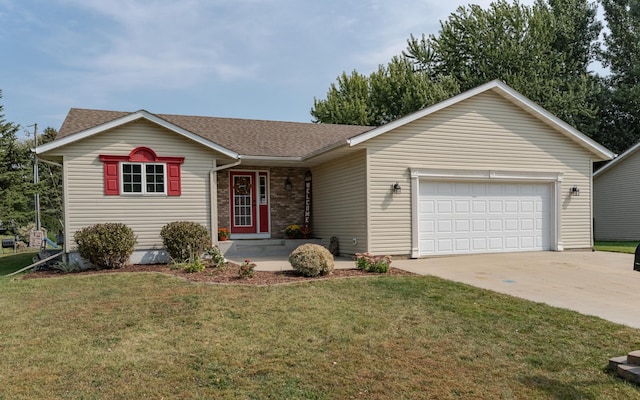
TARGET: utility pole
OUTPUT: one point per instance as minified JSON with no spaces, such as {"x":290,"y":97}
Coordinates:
{"x":35,"y":176}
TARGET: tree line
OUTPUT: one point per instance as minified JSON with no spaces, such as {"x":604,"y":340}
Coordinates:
{"x":17,"y":190}
{"x":544,"y":51}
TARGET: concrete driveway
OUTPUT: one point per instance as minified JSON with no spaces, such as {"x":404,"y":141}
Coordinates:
{"x":595,"y":283}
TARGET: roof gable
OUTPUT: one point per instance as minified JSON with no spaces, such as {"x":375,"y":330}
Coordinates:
{"x":64,"y":138}
{"x":509,"y":94}
{"x":626,"y":155}
{"x":236,"y":138}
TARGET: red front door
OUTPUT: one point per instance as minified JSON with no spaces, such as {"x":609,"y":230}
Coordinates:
{"x":249,"y":202}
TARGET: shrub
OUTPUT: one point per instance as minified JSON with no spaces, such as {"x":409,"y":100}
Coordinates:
{"x":107,"y":245}
{"x":183,"y":239}
{"x":311,"y":260}
{"x":246,"y":269}
{"x":370,"y":263}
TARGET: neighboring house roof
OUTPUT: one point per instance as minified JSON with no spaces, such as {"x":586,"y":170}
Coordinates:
{"x":509,"y":94}
{"x":290,"y":140}
{"x":633,"y":149}
{"x":233,"y":137}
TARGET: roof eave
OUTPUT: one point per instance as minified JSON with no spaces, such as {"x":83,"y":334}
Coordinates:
{"x":616,"y":160}
{"x":511,"y":95}
{"x":141,"y":114}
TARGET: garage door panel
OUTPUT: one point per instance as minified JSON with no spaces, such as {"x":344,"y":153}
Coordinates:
{"x":483,"y":217}
{"x":462,"y":225}
{"x":495,"y":225}
{"x":427,"y":206}
{"x":445,"y":226}
{"x":479,"y":244}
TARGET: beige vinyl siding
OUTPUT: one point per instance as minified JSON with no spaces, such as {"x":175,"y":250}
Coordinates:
{"x":481,"y":133}
{"x":340,"y":202}
{"x":617,"y":201}
{"x":87,"y":204}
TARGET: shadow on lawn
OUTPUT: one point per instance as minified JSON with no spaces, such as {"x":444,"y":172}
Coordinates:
{"x":12,"y":263}
{"x":557,"y":389}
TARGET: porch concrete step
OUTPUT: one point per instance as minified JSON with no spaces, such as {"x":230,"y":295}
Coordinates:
{"x":615,"y":361}
{"x":634,"y":357}
{"x":627,"y":367}
{"x":247,"y":248}
{"x":629,"y":372}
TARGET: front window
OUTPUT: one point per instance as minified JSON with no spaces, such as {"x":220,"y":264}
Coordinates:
{"x":143,"y":178}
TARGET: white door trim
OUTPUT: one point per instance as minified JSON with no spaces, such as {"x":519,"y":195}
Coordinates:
{"x":458,"y":175}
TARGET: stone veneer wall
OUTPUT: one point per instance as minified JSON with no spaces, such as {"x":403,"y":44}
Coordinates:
{"x":287,"y":207}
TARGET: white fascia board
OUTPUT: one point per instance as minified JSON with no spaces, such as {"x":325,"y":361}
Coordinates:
{"x":420,"y":114}
{"x":511,"y":95}
{"x":569,"y":131}
{"x":270,"y":158}
{"x":130,"y":118}
{"x":615,"y":161}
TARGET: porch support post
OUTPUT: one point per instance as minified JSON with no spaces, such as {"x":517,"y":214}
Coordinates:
{"x":213,"y":207}
{"x":213,"y":195}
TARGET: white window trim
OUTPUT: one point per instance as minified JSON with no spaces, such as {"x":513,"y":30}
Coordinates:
{"x":458,"y":175}
{"x":144,"y":179}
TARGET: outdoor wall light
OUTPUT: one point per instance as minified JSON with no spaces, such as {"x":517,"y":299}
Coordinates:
{"x":396,"y":188}
{"x":575,"y":191}
{"x":287,"y":184}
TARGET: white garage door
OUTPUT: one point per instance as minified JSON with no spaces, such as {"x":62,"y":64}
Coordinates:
{"x":463,"y":217}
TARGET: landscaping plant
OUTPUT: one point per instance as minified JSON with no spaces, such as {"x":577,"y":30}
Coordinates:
{"x":107,"y":246}
{"x":246,"y":270}
{"x":183,"y":239}
{"x":193,"y":264}
{"x":216,"y":257}
{"x":312,"y":260}
{"x":370,"y":263}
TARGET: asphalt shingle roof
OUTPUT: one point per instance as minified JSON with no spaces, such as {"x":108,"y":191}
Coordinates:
{"x":243,"y":136}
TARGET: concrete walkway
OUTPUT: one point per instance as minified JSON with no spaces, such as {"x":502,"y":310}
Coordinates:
{"x":594,"y":283}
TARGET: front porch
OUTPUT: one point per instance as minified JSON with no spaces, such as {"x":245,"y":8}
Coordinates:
{"x":251,"y":248}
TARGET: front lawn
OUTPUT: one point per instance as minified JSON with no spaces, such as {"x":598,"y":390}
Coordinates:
{"x":618,"y":247}
{"x":148,"y":335}
{"x":11,"y":262}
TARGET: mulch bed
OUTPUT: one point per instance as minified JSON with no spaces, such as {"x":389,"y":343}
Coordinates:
{"x":228,"y":275}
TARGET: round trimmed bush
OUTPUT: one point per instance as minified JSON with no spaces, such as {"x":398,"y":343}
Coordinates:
{"x":107,"y":246}
{"x":312,"y":260}
{"x":184,"y":239}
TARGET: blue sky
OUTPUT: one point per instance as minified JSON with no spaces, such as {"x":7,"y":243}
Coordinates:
{"x":260,"y":59}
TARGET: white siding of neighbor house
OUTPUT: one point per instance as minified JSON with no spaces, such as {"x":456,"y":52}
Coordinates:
{"x":86,"y":203}
{"x":340,"y":202}
{"x":616,"y":201}
{"x":485,"y":132}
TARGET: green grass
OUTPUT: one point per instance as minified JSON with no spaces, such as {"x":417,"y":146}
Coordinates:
{"x":10,"y":262}
{"x":619,"y":247}
{"x":131,"y":336}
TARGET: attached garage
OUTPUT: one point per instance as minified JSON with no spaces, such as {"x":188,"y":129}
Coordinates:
{"x":458,"y":212}
{"x":483,"y":217}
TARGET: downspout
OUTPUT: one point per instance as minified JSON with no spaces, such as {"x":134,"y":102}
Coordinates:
{"x":213,"y":195}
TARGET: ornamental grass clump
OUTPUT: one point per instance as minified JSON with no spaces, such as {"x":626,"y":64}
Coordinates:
{"x":370,"y":263}
{"x":184,"y":239}
{"x":107,"y":246}
{"x":312,"y":260}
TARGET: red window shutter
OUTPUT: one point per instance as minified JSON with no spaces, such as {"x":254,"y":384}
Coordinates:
{"x":173,"y":179}
{"x":111,"y":181}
